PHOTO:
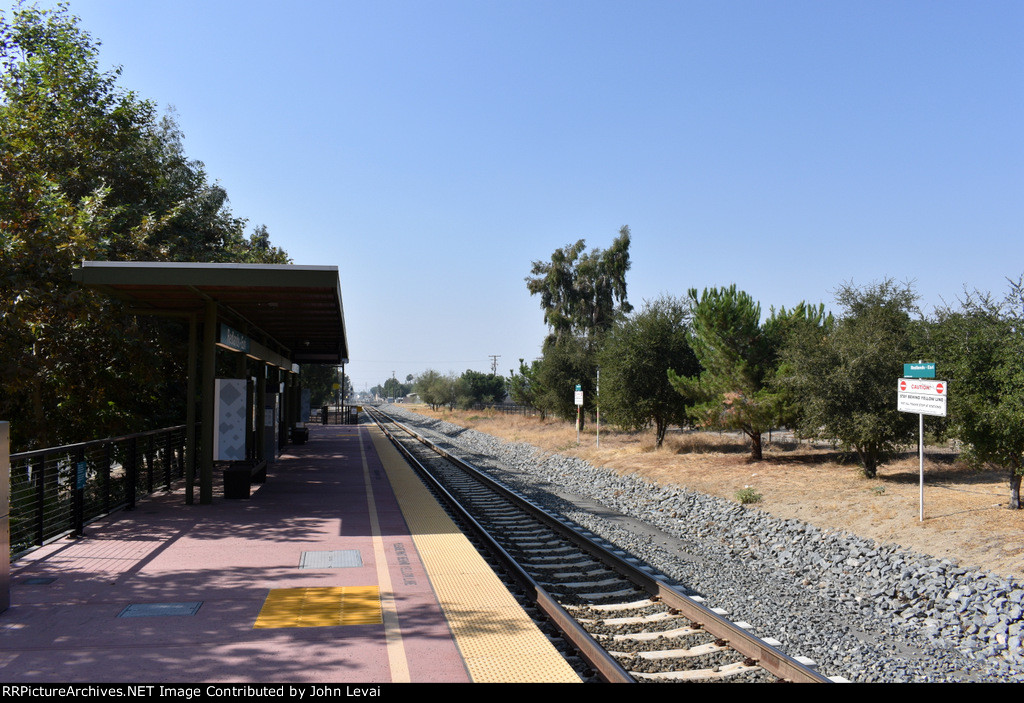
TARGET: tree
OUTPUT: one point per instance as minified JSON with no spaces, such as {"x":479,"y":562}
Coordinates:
{"x":436,"y":389}
{"x":392,"y":388}
{"x":88,"y":172}
{"x":428,"y":387}
{"x":979,"y":349}
{"x":579,"y":292}
{"x":482,"y":387}
{"x":320,"y":380}
{"x":804,"y":322}
{"x":70,"y":148}
{"x":568,"y":362}
{"x":736,"y":357}
{"x":846,"y":378}
{"x":636,"y":358}
{"x":525,"y":387}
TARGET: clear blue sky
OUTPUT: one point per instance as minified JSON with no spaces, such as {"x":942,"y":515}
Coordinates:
{"x":433,"y":149}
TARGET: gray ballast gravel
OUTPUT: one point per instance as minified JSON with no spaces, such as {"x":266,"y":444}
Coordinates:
{"x":861,"y":610}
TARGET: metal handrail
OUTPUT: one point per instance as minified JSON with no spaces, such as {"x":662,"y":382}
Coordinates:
{"x":57,"y":490}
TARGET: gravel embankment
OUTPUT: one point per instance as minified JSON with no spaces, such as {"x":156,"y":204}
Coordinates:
{"x":863,"y":611}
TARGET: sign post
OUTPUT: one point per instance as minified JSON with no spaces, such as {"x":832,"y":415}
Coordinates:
{"x":923,"y":395}
{"x":579,"y":405}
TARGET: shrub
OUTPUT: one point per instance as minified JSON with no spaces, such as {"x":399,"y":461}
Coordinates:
{"x":748,"y":494}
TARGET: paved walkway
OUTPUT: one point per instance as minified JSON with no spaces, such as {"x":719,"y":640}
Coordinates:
{"x":320,"y":577}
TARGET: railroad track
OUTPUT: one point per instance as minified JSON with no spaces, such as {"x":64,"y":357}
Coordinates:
{"x":627,"y":624}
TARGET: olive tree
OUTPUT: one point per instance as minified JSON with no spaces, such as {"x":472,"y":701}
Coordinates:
{"x":635,"y":360}
{"x":846,"y":378}
{"x":980,"y":347}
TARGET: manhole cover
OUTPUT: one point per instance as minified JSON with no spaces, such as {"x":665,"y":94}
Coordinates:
{"x":148,"y":610}
{"x":338,"y":559}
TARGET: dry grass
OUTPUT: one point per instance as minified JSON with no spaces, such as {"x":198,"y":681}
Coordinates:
{"x":965,"y":510}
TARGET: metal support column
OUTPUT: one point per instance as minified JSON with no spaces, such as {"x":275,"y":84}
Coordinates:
{"x":190,"y":413}
{"x":209,"y":371}
{"x":261,"y":412}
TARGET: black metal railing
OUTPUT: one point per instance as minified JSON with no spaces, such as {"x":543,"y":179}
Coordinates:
{"x":335,"y":416}
{"x":55,"y":491}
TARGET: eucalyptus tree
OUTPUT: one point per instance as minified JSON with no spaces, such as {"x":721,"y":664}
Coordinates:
{"x":582,"y":295}
{"x":579,"y":290}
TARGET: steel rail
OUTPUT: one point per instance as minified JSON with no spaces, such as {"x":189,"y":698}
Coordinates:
{"x":603,"y":663}
{"x":768,"y":657}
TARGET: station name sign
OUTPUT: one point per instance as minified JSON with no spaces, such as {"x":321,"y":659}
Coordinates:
{"x":922,"y":396}
{"x":233,"y":339}
{"x":919,"y":370}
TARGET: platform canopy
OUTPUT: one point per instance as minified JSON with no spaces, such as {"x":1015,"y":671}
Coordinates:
{"x":281,"y":315}
{"x":296,"y":309}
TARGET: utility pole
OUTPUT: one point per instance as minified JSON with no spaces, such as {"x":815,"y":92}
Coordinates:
{"x":494,"y":363}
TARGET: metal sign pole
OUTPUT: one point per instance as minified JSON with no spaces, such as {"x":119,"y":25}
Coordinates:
{"x":920,"y":453}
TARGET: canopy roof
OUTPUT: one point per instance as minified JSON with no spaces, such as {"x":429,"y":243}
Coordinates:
{"x":296,"y":308}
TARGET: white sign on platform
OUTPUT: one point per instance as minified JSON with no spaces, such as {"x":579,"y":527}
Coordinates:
{"x":923,"y":396}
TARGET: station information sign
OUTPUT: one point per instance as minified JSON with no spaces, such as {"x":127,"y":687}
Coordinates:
{"x":922,"y":396}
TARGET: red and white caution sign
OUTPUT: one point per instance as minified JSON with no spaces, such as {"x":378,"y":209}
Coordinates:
{"x":924,"y":396}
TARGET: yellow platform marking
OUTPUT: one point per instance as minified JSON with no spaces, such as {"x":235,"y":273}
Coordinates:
{"x":498,"y":640}
{"x":320,"y":607}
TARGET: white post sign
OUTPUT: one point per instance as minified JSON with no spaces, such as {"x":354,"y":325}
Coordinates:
{"x":579,"y":405}
{"x":924,"y":396}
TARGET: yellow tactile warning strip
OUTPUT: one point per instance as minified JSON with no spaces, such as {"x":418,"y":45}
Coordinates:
{"x":498,"y":640}
{"x":320,"y":607}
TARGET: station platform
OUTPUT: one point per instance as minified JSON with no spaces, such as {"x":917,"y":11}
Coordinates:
{"x":341,"y":568}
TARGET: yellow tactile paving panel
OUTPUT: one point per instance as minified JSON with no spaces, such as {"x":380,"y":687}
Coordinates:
{"x":498,"y":640}
{"x":320,"y":607}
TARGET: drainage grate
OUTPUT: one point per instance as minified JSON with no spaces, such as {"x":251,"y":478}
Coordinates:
{"x":338,"y":559}
{"x":39,"y":580}
{"x":148,"y":610}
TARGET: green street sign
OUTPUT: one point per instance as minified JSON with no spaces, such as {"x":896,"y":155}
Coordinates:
{"x":919,"y":370}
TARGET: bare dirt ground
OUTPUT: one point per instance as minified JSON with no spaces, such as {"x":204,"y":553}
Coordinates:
{"x":965,"y":510}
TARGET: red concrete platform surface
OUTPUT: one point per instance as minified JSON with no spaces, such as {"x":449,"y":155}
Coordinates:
{"x":329,"y":499}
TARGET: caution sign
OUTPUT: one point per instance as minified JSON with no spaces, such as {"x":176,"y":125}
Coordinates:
{"x":922,"y":396}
